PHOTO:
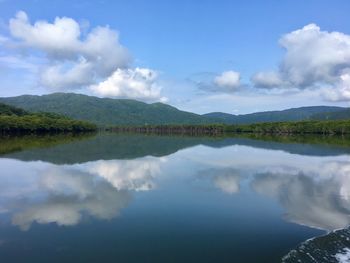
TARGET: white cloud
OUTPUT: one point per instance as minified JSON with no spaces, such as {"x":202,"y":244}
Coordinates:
{"x":313,"y":58}
{"x":80,"y":59}
{"x":68,"y":75}
{"x":269,"y":79}
{"x":57,"y":39}
{"x":342,"y":90}
{"x":229,"y":80}
{"x":139,"y":83}
{"x":73,"y":62}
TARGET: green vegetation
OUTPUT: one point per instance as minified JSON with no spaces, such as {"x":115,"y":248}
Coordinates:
{"x":123,"y":112}
{"x":105,"y":111}
{"x":301,"y":127}
{"x":295,"y":114}
{"x":15,"y":120}
{"x":10,"y":110}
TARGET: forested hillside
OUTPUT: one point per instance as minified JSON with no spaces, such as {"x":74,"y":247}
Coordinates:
{"x":14,"y":119}
{"x":105,"y":111}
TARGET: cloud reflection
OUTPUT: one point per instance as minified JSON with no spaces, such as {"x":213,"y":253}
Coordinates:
{"x":65,"y":194}
{"x":320,"y":201}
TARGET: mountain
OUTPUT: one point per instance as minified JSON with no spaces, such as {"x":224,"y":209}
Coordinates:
{"x":294,"y":114}
{"x":105,"y":111}
{"x":337,"y":115}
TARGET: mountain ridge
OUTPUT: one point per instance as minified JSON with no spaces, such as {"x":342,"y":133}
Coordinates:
{"x":105,"y":111}
{"x":291,"y":114}
{"x":126,"y":112}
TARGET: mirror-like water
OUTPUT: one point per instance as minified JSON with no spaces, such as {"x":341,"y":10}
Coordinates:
{"x":138,"y":198}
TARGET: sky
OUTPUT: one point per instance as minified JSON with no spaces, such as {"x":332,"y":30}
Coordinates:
{"x":200,"y":56}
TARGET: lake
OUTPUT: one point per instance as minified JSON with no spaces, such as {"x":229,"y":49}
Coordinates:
{"x":148,"y":198}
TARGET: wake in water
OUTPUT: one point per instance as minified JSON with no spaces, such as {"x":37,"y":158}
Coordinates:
{"x":334,"y":247}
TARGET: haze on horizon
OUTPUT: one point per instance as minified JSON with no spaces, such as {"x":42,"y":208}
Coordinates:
{"x":200,"y":56}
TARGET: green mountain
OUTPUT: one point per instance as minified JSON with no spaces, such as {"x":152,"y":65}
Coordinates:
{"x":294,"y":114}
{"x":105,"y":111}
{"x":337,"y":115}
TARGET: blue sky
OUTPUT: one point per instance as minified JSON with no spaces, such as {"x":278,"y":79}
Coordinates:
{"x":179,"y":52}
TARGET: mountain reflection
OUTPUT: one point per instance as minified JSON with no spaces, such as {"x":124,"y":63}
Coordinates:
{"x":69,"y":149}
{"x":98,"y":179}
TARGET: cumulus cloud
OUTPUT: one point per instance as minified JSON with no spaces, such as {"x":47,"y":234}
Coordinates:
{"x":77,"y":58}
{"x":73,"y":61}
{"x":228,"y":80}
{"x":224,"y":82}
{"x":341,"y":92}
{"x":139,"y":83}
{"x":269,"y":79}
{"x":313,"y":58}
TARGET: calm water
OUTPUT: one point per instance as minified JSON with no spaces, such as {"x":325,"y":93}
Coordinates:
{"x":134,"y":198}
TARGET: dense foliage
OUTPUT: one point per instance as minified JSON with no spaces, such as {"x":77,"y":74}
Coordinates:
{"x":16,"y":120}
{"x":10,"y":110}
{"x":105,"y":111}
{"x":301,"y":127}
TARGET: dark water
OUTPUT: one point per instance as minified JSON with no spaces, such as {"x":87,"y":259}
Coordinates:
{"x":135,"y":198}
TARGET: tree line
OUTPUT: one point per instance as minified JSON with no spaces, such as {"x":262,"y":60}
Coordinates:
{"x":15,"y":120}
{"x":299,"y":127}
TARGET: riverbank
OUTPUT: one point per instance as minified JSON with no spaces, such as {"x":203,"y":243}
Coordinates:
{"x":341,"y":127}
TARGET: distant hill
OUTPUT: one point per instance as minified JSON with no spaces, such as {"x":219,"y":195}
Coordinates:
{"x":337,"y":115}
{"x":105,"y":111}
{"x":294,"y":114}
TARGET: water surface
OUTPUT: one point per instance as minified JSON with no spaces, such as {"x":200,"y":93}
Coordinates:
{"x":145,"y":198}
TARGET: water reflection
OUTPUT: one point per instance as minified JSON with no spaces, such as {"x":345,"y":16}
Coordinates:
{"x":313,"y":191}
{"x":109,"y":176}
{"x":315,"y":201}
{"x":46,"y":193}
